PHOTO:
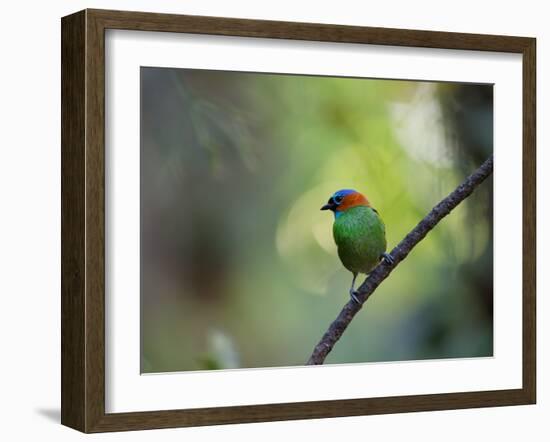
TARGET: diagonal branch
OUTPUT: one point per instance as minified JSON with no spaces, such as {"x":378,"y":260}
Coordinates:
{"x":399,"y":253}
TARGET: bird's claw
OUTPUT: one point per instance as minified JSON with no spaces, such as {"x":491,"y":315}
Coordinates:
{"x":353,"y":295}
{"x":388,"y":258}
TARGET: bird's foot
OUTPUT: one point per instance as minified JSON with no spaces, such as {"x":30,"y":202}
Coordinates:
{"x":388,"y":258}
{"x":353,"y":294}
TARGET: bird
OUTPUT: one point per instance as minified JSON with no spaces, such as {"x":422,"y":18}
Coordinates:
{"x":359,"y":234}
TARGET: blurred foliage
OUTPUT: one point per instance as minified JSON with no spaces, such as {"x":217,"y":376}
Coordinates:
{"x":238,"y":264}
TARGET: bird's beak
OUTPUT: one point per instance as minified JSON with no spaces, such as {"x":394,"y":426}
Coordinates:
{"x":327,"y":207}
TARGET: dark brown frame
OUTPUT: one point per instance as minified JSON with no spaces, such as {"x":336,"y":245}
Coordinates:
{"x":83,"y":216}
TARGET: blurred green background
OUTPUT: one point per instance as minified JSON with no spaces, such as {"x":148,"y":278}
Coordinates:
{"x":238,"y":264}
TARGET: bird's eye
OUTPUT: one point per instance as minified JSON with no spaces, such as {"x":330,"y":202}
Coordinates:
{"x":338,"y":199}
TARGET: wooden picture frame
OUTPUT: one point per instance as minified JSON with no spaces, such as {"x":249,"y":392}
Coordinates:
{"x":83,"y":220}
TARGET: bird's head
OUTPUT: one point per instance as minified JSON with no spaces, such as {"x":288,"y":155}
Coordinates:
{"x":345,"y":199}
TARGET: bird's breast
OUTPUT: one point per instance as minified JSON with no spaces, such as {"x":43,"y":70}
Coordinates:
{"x":359,"y":234}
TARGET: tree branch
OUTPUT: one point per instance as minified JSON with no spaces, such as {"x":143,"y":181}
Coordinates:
{"x":399,"y":253}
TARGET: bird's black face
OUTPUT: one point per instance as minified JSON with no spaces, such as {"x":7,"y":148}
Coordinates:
{"x":333,"y":202}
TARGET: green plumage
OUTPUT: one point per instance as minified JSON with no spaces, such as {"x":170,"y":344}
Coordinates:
{"x":360,"y":236}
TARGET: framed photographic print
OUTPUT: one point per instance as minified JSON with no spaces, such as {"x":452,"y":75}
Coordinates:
{"x":235,"y":191}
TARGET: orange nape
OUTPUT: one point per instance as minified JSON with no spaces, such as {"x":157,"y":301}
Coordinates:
{"x":353,"y":200}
